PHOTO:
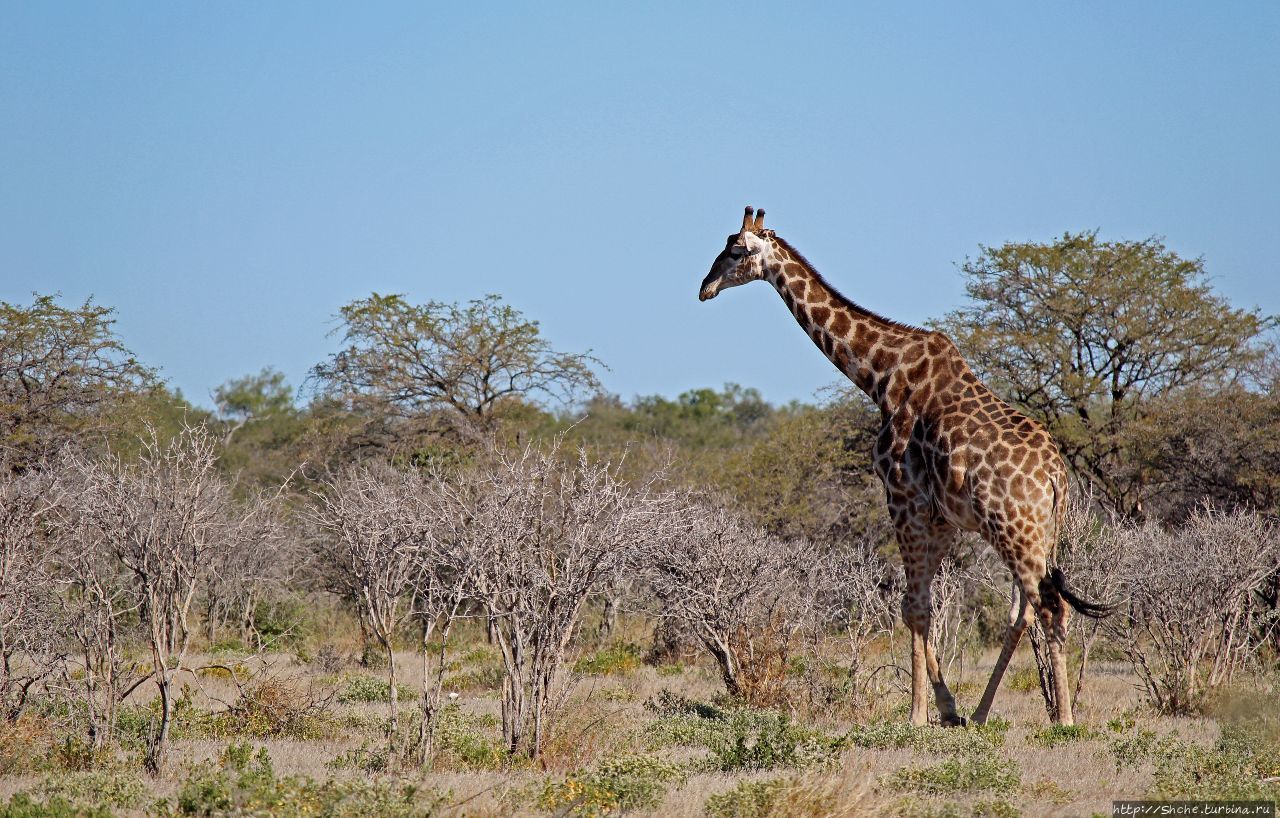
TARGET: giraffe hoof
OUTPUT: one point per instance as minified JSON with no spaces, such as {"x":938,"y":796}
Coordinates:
{"x":954,"y":721}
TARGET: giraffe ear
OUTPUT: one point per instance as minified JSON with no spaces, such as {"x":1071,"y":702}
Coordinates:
{"x":747,"y":219}
{"x":759,"y":222}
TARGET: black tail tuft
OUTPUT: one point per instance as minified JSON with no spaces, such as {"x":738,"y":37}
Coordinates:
{"x":1093,"y":610}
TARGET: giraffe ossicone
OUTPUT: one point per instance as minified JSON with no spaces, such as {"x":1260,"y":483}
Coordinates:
{"x":951,"y":454}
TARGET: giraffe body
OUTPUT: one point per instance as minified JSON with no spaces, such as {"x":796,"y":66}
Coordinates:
{"x":951,"y":454}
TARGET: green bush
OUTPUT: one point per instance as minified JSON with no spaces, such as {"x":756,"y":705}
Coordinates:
{"x":1055,"y":735}
{"x":244,"y":784}
{"x":1235,"y":767}
{"x":942,"y":740}
{"x":999,"y":808}
{"x":364,"y":757}
{"x":750,"y":799}
{"x":361,"y":689}
{"x":485,"y":677}
{"x":471,"y":740}
{"x":683,"y":722}
{"x":113,"y":788}
{"x":1024,"y":680}
{"x":740,"y":738}
{"x":983,"y":773}
{"x":480,"y":655}
{"x":1131,"y":749}
{"x":286,"y":622}
{"x":763,"y":740}
{"x":613,"y":786}
{"x":617,"y":660}
{"x":667,"y":703}
{"x":22,"y":805}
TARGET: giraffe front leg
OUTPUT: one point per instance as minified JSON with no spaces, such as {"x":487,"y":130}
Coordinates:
{"x":926,"y":673}
{"x":924,"y":543}
{"x":919,"y":667}
{"x":948,"y":717}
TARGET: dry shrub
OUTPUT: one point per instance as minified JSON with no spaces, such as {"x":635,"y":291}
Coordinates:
{"x":275,"y":707}
{"x":765,"y":677}
{"x":1192,"y":619}
{"x":745,"y":594}
{"x":544,"y":533}
{"x":23,"y":743}
{"x":858,"y":594}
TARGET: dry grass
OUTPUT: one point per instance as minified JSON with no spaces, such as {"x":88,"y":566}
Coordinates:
{"x":606,"y":718}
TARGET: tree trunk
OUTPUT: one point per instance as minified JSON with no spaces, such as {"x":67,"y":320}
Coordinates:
{"x":393,"y":723}
{"x":159,"y":745}
{"x":609,"y":616}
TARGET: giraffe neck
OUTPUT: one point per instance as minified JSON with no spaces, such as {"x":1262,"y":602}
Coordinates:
{"x":862,"y":345}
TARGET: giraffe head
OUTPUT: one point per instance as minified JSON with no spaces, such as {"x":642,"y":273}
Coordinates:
{"x":742,"y":259}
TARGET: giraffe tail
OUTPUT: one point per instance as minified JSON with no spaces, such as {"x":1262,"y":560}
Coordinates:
{"x":1093,"y":610}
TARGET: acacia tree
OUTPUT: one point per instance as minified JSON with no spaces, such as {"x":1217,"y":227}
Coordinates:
{"x":1084,"y":333}
{"x":61,"y":370}
{"x":415,"y":360}
{"x":1217,"y":445}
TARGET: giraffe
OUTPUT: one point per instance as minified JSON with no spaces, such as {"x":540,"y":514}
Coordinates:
{"x":951,"y":454}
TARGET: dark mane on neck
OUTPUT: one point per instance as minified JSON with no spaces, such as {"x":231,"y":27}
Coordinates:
{"x":839,"y":295}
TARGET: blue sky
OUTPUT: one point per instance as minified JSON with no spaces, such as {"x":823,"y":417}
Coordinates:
{"x":228,"y":174}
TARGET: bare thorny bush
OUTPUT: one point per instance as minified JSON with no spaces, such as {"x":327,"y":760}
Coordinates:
{"x":858,"y":594}
{"x":526,"y":538}
{"x":1191,"y":618}
{"x":1187,"y":611}
{"x":28,"y":592}
{"x":754,"y":601}
{"x":383,"y":529}
{"x":545,"y":535}
{"x":732,"y":584}
{"x":143,"y":538}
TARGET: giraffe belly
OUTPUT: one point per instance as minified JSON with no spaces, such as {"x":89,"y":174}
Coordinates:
{"x":951,"y":486}
{"x":938,"y":482}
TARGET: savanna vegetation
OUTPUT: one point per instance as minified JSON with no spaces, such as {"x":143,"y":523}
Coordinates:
{"x":449,"y":576}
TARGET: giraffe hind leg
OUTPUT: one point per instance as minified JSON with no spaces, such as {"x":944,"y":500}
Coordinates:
{"x":1041,"y":595}
{"x":1018,"y":620}
{"x":1053,"y":616}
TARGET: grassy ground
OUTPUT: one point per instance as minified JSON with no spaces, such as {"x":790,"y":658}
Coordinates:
{"x":650,"y":741}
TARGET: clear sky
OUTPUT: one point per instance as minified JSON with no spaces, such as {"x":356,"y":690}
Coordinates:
{"x":228,"y":174}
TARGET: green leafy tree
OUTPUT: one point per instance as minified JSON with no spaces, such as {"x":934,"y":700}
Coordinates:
{"x":62,"y":373}
{"x":262,"y":427}
{"x":809,"y":473}
{"x":1216,"y":446}
{"x":463,"y":363}
{"x":1085,"y":334}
